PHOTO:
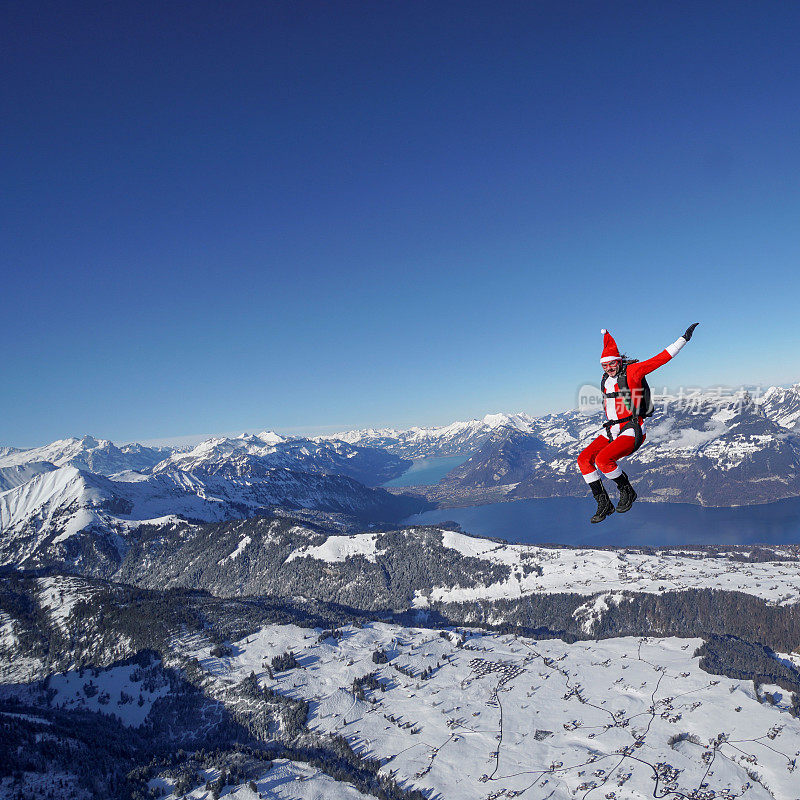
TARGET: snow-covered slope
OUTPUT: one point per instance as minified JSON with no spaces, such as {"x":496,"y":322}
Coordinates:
{"x":76,"y":518}
{"x":87,"y":522}
{"x":783,"y":405}
{"x":60,"y":503}
{"x":63,"y":502}
{"x":17,"y":474}
{"x":285,"y":780}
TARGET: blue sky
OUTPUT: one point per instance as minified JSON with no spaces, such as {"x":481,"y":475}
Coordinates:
{"x":309,"y":216}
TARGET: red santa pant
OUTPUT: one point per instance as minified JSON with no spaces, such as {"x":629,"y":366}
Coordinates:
{"x":602,"y":455}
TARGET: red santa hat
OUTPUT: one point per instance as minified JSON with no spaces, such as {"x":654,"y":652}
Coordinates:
{"x":610,"y":351}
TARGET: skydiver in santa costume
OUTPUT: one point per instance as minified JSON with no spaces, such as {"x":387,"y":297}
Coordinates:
{"x":627,"y":403}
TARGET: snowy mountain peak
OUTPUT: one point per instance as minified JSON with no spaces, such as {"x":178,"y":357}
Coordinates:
{"x":216,"y":450}
{"x":520,"y":420}
{"x":270,"y":437}
{"x":43,"y":502}
{"x":783,"y":405}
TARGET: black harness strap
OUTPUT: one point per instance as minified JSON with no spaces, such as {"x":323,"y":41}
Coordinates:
{"x":625,"y":423}
{"x":612,"y":422}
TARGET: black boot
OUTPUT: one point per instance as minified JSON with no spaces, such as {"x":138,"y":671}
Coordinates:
{"x":604,"y":504}
{"x":626,"y":493}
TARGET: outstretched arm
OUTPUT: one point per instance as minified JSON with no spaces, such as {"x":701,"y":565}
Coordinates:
{"x":646,"y":367}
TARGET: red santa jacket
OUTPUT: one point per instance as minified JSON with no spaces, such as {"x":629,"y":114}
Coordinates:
{"x":615,"y":407}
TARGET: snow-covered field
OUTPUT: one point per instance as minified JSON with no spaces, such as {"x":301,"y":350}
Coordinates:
{"x":286,"y":780}
{"x":591,"y":571}
{"x":504,"y":716}
{"x":339,"y":548}
{"x":586,"y":571}
{"x":127,"y":692}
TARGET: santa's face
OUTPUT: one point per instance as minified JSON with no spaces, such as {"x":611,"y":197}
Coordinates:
{"x":611,"y":368}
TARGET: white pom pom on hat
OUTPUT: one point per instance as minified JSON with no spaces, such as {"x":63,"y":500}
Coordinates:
{"x":603,"y":330}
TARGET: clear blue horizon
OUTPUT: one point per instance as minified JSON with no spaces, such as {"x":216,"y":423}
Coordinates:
{"x":318,"y":216}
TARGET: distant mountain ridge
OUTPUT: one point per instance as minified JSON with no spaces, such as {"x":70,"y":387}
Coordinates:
{"x":244,"y":454}
{"x":455,"y":439}
{"x":250,"y":455}
{"x":780,"y":404}
{"x":94,"y":455}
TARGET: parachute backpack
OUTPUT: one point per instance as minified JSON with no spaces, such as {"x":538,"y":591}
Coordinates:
{"x":639,"y":403}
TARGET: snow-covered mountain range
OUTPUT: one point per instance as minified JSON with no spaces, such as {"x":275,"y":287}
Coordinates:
{"x":779,"y":404}
{"x":76,"y":518}
{"x":714,"y":449}
{"x":250,"y":456}
{"x":93,"y":455}
{"x":246,"y":454}
{"x":455,"y":439}
{"x":81,"y":500}
{"x":719,"y":450}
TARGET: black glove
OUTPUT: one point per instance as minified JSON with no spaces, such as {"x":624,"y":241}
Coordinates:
{"x":690,"y":331}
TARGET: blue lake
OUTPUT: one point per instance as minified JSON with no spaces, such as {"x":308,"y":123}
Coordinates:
{"x":427,"y":471}
{"x":566,"y":521}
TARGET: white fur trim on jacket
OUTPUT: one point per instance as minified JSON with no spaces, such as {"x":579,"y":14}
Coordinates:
{"x":675,"y":347}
